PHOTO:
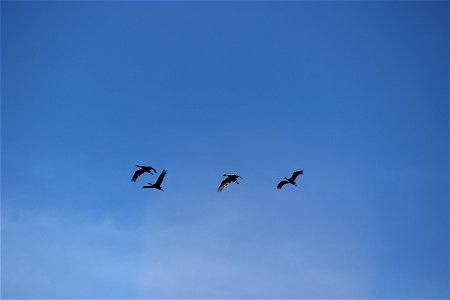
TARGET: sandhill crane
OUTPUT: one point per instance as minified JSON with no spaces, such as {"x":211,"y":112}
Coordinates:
{"x":157,"y":184}
{"x":229,"y":178}
{"x":289,"y":180}
{"x":142,"y":170}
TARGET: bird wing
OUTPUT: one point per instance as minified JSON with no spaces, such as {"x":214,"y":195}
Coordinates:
{"x":148,"y":169}
{"x":282,"y":182}
{"x":151,"y":168}
{"x":137,"y":174}
{"x":160,"y":178}
{"x":224,"y":183}
{"x":295,"y":174}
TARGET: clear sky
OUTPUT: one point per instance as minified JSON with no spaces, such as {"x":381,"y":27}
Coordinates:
{"x":353,"y":93}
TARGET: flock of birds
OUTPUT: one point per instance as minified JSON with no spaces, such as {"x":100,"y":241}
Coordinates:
{"x":228,"y":178}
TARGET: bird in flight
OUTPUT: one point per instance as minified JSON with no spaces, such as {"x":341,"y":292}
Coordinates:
{"x":290,"y":180}
{"x":157,"y":184}
{"x":229,"y":178}
{"x":142,"y":170}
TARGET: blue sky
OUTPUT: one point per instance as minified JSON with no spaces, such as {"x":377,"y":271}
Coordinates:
{"x":354,"y":93}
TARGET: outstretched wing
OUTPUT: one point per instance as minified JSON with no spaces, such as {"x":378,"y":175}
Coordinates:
{"x":295,"y":174}
{"x":137,"y":174}
{"x":282,"y":182}
{"x":160,"y":178}
{"x":224,"y":183}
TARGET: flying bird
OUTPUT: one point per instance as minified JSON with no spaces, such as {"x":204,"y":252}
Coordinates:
{"x":229,"y":178}
{"x":157,"y":184}
{"x":142,"y":170}
{"x":290,"y":180}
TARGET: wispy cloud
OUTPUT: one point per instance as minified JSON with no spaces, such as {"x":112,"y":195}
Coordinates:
{"x":65,"y":256}
{"x":228,"y":255}
{"x":61,"y":256}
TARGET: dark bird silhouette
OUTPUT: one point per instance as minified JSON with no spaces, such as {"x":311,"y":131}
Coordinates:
{"x":142,"y":170}
{"x":157,"y":184}
{"x":230,"y":178}
{"x":289,"y":180}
